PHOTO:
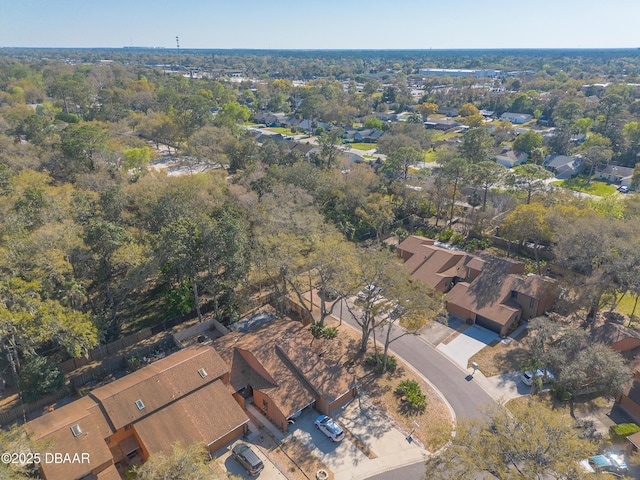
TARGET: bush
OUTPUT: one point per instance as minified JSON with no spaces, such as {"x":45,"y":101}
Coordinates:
{"x":40,"y":377}
{"x":475,"y":244}
{"x":457,"y":240}
{"x":619,"y":433}
{"x":414,"y":401}
{"x":446,"y":235}
{"x":133,"y":364}
{"x":377,"y":360}
{"x":330,"y":332}
{"x":320,"y":331}
{"x":67,"y":117}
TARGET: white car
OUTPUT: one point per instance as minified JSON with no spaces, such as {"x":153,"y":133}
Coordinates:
{"x":369,"y":291}
{"x":330,"y":428}
{"x":546,"y":375}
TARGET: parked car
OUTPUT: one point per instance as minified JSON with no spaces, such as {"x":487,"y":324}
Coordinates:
{"x":623,"y":189}
{"x":546,"y":375}
{"x":369,"y":291}
{"x":247,"y":458}
{"x":329,"y":427}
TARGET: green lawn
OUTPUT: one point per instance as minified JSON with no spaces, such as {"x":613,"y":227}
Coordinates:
{"x":626,"y":305}
{"x":362,"y":146}
{"x":429,"y":156}
{"x":282,"y":130}
{"x":595,"y":187}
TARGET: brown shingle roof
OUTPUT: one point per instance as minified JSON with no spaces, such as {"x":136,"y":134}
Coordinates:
{"x":489,"y":295}
{"x":288,"y":392}
{"x":54,"y":428}
{"x":110,"y":473}
{"x":413,"y":242}
{"x":433,"y":265}
{"x":282,"y":358}
{"x":495,"y":309}
{"x":203,"y":416}
{"x":318,"y":365}
{"x":159,"y":384}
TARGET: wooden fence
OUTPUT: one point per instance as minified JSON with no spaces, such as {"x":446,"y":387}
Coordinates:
{"x":17,"y":413}
{"x":103,"y":351}
{"x":118,"y":363}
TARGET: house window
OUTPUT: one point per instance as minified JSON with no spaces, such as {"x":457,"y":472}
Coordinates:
{"x":265,"y":404}
{"x":139,"y":404}
{"x":532,"y":302}
{"x":76,"y":430}
{"x":202,"y":372}
{"x":514,"y":294}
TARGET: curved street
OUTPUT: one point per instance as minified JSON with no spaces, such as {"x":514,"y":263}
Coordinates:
{"x":466,"y":398}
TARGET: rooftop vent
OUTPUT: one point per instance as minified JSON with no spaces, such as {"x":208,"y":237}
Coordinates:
{"x":203,"y":373}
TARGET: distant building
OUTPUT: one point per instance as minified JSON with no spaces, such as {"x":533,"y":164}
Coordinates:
{"x":563,"y":166}
{"x":615,"y":174}
{"x":516,"y":118}
{"x":456,"y":72}
{"x":510,"y":158}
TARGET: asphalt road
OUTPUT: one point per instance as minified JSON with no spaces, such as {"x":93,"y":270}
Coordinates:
{"x":466,"y":398}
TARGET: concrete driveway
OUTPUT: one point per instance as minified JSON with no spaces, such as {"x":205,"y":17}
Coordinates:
{"x":233,"y":467}
{"x":467,"y":343}
{"x":372,"y":443}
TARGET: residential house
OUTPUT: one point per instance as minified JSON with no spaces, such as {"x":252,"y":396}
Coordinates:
{"x":490,"y":291}
{"x":303,"y":124}
{"x":510,"y":158}
{"x":386,"y":116}
{"x":349,"y":133}
{"x":500,"y":296}
{"x":564,"y":166}
{"x":441,"y":124}
{"x":487,"y":113}
{"x":448,"y":111}
{"x":516,"y":118}
{"x":368,"y":135}
{"x":181,"y":398}
{"x":615,"y":174}
{"x":283,"y":369}
{"x":438,"y":267}
{"x":304,"y":149}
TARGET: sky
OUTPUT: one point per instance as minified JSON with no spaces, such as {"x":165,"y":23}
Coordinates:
{"x":329,"y":24}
